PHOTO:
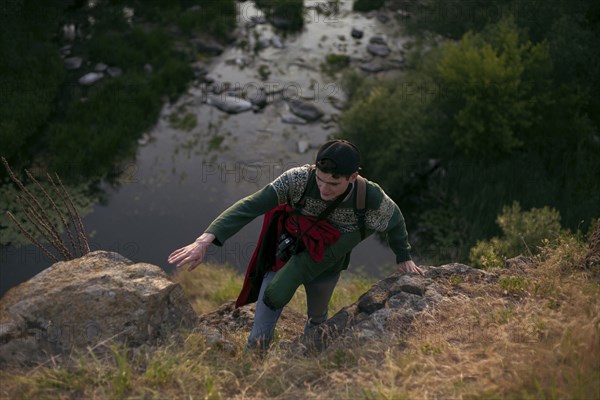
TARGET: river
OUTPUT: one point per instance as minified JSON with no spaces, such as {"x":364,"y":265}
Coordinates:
{"x":182,"y":179}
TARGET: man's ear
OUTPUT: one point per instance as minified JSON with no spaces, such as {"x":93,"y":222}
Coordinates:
{"x":352,"y":177}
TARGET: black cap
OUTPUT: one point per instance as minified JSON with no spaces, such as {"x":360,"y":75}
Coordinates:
{"x":343,"y":154}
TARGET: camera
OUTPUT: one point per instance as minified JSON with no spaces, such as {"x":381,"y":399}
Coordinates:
{"x":285,"y":247}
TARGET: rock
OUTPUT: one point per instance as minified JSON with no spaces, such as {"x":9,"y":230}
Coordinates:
{"x":280,"y":22}
{"x":148,"y":68}
{"x":258,"y":19}
{"x":207,"y":46}
{"x":373,"y":66}
{"x":257,"y":97}
{"x":230,"y":104}
{"x":277,"y":42}
{"x":73,"y":63}
{"x":390,"y":305}
{"x":66,"y":50}
{"x":292,"y":119}
{"x":276,"y":86}
{"x":77,"y":304}
{"x":90,"y":78}
{"x":356,"y":33}
{"x":303,"y":146}
{"x":326,"y":119}
{"x":241,"y":62}
{"x":69,"y":32}
{"x":305,"y":110}
{"x":519,"y":262}
{"x":100,"y":67}
{"x":337,"y":103}
{"x":145,"y":139}
{"x":395,"y":63}
{"x":200,"y":70}
{"x":208,"y":80}
{"x":381,"y":50}
{"x":448,"y":270}
{"x":114,"y":72}
{"x":383,"y":18}
{"x":263,"y":43}
{"x":377,"y":40}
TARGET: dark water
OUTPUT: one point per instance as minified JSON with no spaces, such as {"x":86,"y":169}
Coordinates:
{"x":181,"y":180}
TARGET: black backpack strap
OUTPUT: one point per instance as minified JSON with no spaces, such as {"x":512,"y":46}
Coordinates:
{"x":361,"y":205}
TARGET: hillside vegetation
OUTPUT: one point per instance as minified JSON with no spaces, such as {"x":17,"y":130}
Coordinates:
{"x":532,"y":333}
{"x":497,"y":104}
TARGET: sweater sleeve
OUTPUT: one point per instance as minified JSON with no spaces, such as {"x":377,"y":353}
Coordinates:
{"x":397,"y":237}
{"x":230,"y":221}
{"x":384,"y":215}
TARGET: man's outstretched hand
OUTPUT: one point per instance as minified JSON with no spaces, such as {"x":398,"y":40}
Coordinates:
{"x":410,"y":266}
{"x":192,"y":253}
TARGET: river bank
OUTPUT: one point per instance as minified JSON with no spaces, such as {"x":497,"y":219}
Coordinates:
{"x":197,"y":159}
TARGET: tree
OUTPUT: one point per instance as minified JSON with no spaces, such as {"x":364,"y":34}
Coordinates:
{"x":493,"y":85}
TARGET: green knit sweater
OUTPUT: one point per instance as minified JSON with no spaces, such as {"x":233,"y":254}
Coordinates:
{"x":382,"y":214}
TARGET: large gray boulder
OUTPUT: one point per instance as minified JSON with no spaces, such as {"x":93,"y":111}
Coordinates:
{"x":81,"y":303}
{"x":305,"y":110}
{"x":229,"y":104}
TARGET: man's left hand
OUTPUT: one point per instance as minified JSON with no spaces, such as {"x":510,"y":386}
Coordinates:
{"x":410,"y":266}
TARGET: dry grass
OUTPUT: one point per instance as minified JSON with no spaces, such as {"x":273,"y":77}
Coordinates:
{"x":530,"y":336}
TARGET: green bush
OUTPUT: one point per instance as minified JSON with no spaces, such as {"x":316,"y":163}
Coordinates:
{"x":216,"y":18}
{"x":367,"y":5}
{"x":524,"y":232}
{"x":103,"y":129}
{"x":335,"y":63}
{"x":477,"y":125}
{"x":87,"y":127}
{"x":292,"y":10}
{"x":492,"y":85}
{"x":31,"y":73}
{"x":131,"y":49}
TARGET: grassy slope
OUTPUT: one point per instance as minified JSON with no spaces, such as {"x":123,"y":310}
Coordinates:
{"x":533,"y":334}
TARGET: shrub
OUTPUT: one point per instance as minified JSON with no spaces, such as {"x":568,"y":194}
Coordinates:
{"x":367,"y":5}
{"x":335,"y":63}
{"x":491,"y":80}
{"x":523,"y":232}
{"x":291,"y":10}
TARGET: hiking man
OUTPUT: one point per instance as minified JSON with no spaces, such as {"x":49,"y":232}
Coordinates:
{"x":313,"y":220}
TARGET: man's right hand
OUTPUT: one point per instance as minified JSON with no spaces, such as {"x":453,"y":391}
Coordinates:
{"x":192,"y":253}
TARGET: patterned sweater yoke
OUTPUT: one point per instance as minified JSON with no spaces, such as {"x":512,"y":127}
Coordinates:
{"x":382,"y":213}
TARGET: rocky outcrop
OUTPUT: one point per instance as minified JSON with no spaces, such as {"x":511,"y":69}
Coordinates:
{"x":386,"y":309}
{"x":392,"y":303}
{"x":83,"y":302}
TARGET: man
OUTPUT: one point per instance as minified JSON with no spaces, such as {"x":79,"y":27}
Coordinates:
{"x":324,"y":199}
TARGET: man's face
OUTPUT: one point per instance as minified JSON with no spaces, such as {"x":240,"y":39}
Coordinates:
{"x":330,"y":187}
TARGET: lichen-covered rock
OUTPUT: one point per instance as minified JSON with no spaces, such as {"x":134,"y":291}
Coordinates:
{"x":82,"y":302}
{"x":391,"y":304}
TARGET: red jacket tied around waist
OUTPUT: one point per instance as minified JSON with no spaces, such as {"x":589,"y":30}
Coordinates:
{"x":315,"y":234}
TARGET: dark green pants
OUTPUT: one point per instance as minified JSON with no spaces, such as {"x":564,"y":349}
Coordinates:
{"x":301,"y":269}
